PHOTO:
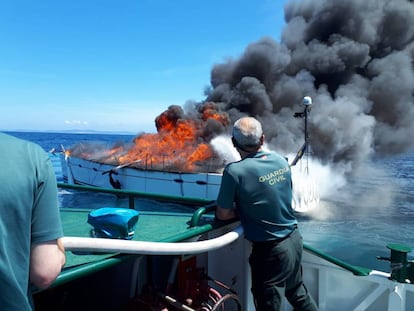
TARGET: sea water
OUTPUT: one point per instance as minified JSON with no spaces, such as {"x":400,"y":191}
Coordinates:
{"x":354,"y":225}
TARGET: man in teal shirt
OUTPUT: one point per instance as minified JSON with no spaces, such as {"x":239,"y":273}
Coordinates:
{"x":258,"y":189}
{"x":30,"y":227}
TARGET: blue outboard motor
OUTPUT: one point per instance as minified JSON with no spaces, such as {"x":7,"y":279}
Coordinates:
{"x":113,"y":223}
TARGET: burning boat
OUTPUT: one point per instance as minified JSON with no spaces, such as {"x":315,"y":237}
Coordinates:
{"x":130,"y":176}
{"x":177,"y":161}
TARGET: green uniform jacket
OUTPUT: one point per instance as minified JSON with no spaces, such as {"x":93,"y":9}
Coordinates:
{"x":261,"y":188}
{"x":29,"y":214}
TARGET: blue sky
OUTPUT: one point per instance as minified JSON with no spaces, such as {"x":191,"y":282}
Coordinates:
{"x":114,"y":65}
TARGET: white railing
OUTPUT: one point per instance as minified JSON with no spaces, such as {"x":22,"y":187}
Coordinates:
{"x":103,"y":245}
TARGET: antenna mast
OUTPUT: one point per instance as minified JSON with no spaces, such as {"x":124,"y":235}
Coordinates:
{"x":305,"y":149}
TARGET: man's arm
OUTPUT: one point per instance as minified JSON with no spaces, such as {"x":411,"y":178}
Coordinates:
{"x":46,"y":261}
{"x":225,"y":213}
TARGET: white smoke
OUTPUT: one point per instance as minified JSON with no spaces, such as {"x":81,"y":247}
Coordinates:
{"x":223,"y":147}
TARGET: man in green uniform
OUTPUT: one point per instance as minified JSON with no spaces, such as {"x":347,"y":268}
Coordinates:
{"x":258,"y":189}
{"x":30,"y":225}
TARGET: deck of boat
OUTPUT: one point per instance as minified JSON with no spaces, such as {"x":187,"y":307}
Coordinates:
{"x":86,"y":273}
{"x":151,"y":226}
{"x":111,"y":281}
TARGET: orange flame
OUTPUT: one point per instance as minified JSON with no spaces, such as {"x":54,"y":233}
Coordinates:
{"x":179,"y":143}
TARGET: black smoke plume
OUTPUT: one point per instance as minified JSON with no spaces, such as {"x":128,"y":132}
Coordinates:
{"x":354,"y":58}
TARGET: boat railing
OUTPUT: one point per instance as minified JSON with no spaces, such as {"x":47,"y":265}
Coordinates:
{"x":360,"y":271}
{"x":103,"y":245}
{"x":195,"y":220}
{"x":206,"y":206}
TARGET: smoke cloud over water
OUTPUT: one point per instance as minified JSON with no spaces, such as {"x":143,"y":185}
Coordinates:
{"x":354,"y":58}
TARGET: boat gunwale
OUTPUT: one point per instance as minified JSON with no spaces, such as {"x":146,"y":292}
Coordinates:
{"x":149,"y":169}
{"x":136,"y":194}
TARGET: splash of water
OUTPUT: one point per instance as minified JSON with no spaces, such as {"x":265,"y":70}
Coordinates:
{"x":306,"y":182}
{"x":223,"y":147}
{"x":314,"y":182}
{"x":305,"y":196}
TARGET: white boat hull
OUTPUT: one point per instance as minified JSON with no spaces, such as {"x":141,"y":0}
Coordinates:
{"x":192,"y":185}
{"x":332,"y":286}
{"x":178,"y":184}
{"x":336,"y":288}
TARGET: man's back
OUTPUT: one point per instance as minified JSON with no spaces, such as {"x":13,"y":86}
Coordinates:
{"x":261,"y":184}
{"x":29,"y":215}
